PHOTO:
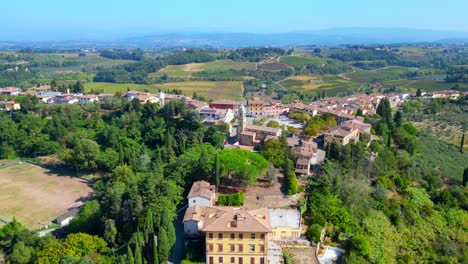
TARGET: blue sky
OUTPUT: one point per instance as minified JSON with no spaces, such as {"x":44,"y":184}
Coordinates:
{"x":23,"y":18}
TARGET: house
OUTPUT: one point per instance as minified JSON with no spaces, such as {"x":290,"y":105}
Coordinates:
{"x":130,"y":95}
{"x":147,"y":98}
{"x":285,"y":224}
{"x":64,"y":219}
{"x":232,"y":235}
{"x":202,"y":193}
{"x":213,"y":114}
{"x":225,"y":104}
{"x":88,"y":98}
{"x":299,"y":108}
{"x":10,"y":91}
{"x":347,"y":132}
{"x":10,"y":106}
{"x":195,"y":104}
{"x":64,"y":99}
{"x":308,"y":154}
{"x":275,"y":109}
{"x":254,"y":135}
{"x":255,"y":107}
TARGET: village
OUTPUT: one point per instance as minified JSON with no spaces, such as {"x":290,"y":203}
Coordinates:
{"x":266,"y":221}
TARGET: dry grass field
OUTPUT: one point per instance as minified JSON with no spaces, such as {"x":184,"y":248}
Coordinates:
{"x":35,"y":195}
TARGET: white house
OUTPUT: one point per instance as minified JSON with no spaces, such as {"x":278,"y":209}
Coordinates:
{"x":202,"y":193}
{"x":64,"y":219}
{"x":88,"y":98}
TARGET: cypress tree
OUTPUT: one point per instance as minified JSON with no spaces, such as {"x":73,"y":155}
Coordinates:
{"x":465,"y":177}
{"x":155,"y":251}
{"x":163,"y":245}
{"x":462,"y":142}
{"x":130,"y":258}
{"x":168,"y":225}
{"x":217,"y":169}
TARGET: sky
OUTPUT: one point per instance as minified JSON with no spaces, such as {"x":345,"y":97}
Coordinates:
{"x":30,"y":19}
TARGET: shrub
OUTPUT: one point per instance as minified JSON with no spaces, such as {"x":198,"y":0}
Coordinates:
{"x":236,"y":199}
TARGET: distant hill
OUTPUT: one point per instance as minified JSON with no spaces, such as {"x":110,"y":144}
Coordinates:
{"x":326,"y":37}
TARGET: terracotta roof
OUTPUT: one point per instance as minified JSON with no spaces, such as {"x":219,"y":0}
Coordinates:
{"x":231,"y":219}
{"x":248,"y":133}
{"x":262,"y":128}
{"x":203,"y":189}
{"x":226,"y":101}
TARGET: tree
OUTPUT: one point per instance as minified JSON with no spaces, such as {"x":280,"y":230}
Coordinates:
{"x":271,"y":174}
{"x":359,"y":112}
{"x":273,"y":123}
{"x":462,"y":142}
{"x":130,"y":258}
{"x":398,"y":119}
{"x":313,"y":232}
{"x":85,"y":155}
{"x":110,"y":231}
{"x":217,"y":170}
{"x":163,"y":245}
{"x":418,"y":93}
{"x":465,"y":176}
{"x":21,"y":254}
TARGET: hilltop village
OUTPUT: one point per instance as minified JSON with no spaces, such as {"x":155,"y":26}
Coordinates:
{"x":260,"y":221}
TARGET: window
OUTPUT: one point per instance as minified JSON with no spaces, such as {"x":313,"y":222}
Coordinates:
{"x":232,"y":247}
{"x":241,"y":260}
{"x":262,"y":260}
{"x":220,"y":235}
{"x":210,"y":235}
{"x":211,"y":260}
{"x":241,"y":248}
{"x":262,"y":248}
{"x":262,"y":236}
{"x":220,"y":247}
{"x":233,"y":259}
{"x":252,"y":236}
{"x":233,"y":236}
{"x":210,"y":247}
{"x":241,"y":236}
{"x":252,"y":248}
{"x":220,"y":259}
{"x":252,"y":260}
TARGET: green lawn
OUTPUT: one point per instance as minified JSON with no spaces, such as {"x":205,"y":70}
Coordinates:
{"x":212,"y":90}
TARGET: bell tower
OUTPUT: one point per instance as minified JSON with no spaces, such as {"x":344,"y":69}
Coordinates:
{"x":241,"y":120}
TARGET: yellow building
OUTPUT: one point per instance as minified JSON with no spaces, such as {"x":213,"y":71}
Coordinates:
{"x":285,"y":224}
{"x":233,"y":235}
{"x":10,"y":106}
{"x":256,"y":107}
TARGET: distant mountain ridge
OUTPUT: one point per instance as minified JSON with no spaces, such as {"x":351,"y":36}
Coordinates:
{"x":326,"y":37}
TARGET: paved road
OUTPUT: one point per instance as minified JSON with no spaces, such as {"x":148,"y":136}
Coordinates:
{"x":178,"y":251}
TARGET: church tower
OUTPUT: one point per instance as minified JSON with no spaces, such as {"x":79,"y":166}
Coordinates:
{"x":241,"y":120}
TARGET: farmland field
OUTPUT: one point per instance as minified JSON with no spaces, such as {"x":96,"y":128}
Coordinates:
{"x":212,"y":90}
{"x":184,"y":71}
{"x":35,"y":195}
{"x":383,"y":74}
{"x":275,"y":66}
{"x":299,"y":62}
{"x":331,"y":84}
